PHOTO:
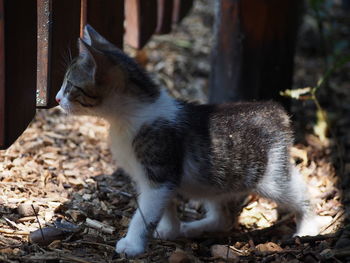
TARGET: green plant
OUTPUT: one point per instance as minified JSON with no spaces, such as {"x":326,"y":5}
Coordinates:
{"x":310,"y":93}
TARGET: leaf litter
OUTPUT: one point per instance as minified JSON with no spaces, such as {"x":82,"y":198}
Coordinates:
{"x":61,"y":166}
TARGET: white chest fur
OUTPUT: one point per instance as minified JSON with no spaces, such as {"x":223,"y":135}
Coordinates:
{"x":123,"y":153}
{"x":121,"y":136}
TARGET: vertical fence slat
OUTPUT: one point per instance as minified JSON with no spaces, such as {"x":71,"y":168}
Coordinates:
{"x":64,"y":33}
{"x":42,"y":55}
{"x":181,"y":9}
{"x":254,"y":48}
{"x":2,"y":75}
{"x":107,"y":17}
{"x":165,"y":11}
{"x":141,"y":21}
{"x":61,"y":34}
{"x":19,"y":45}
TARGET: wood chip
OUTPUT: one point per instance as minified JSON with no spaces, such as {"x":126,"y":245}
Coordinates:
{"x":100,"y":226}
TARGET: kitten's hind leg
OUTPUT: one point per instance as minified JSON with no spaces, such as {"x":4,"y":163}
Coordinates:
{"x":308,"y":223}
{"x":291,"y":193}
{"x":216,"y":220}
{"x":169,"y":226}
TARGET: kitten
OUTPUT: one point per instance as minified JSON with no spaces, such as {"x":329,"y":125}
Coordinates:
{"x":214,"y":153}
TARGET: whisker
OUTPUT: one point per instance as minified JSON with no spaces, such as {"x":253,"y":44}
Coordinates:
{"x":70,"y":54}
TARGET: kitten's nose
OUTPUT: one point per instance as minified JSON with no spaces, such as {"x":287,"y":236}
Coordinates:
{"x":58,"y":100}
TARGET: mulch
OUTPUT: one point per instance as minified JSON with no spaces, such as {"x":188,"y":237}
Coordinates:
{"x":63,"y":199}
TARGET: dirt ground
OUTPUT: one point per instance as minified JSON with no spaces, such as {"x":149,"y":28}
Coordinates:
{"x":59,"y":181}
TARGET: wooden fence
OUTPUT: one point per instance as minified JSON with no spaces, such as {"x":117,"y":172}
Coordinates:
{"x":35,"y":36}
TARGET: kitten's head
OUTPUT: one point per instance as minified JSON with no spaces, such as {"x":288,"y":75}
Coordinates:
{"x":102,"y":79}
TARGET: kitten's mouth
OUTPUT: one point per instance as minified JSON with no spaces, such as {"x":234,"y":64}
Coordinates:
{"x":65,"y":109}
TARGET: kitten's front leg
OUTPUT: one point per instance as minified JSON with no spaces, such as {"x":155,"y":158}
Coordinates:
{"x":152,"y":202}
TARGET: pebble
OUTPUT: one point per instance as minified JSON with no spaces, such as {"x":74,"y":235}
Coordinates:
{"x":26,"y":209}
{"x":268,"y":247}
{"x":50,"y":234}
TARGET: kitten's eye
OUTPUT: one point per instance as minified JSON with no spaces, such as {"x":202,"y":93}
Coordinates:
{"x":83,"y":91}
{"x":68,"y":87}
{"x":72,"y":85}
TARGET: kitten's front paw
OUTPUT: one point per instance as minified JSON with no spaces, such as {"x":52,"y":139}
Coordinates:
{"x":130,"y":247}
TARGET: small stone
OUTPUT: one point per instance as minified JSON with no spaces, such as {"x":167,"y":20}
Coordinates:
{"x":179,"y":257}
{"x":46,"y":236}
{"x":224,"y":252}
{"x":268,"y":247}
{"x":26,"y":209}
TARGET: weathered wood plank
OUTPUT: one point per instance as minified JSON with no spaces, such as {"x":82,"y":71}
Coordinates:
{"x":63,"y":32}
{"x":2,"y":75}
{"x":165,"y":11}
{"x":141,"y":21}
{"x":254,"y":49}
{"x":43,"y":10}
{"x":18,"y":66}
{"x":107,"y":17}
{"x":181,"y":9}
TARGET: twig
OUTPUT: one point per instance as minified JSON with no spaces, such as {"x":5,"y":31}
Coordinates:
{"x":335,"y":219}
{"x":100,"y":226}
{"x":94,"y":243}
{"x":238,"y":251}
{"x":13,"y":232}
{"x":308,"y":239}
{"x":75,"y":259}
{"x":110,"y":190}
{"x":25,"y":219}
{"x":10,"y":223}
{"x":58,"y":255}
{"x":36,"y":215}
{"x":228,"y":248}
{"x":19,"y":184}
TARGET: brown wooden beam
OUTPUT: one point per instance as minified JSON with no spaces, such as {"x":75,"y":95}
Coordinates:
{"x":252,"y":58}
{"x":2,"y":75}
{"x":106,"y":17}
{"x":18,"y":45}
{"x":141,"y":21}
{"x":181,"y":9}
{"x":43,"y":9}
{"x":165,"y":21}
{"x":61,"y":26}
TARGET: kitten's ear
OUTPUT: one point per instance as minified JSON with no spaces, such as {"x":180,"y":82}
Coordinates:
{"x":87,"y":59}
{"x":94,"y":39}
{"x":93,"y":60}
